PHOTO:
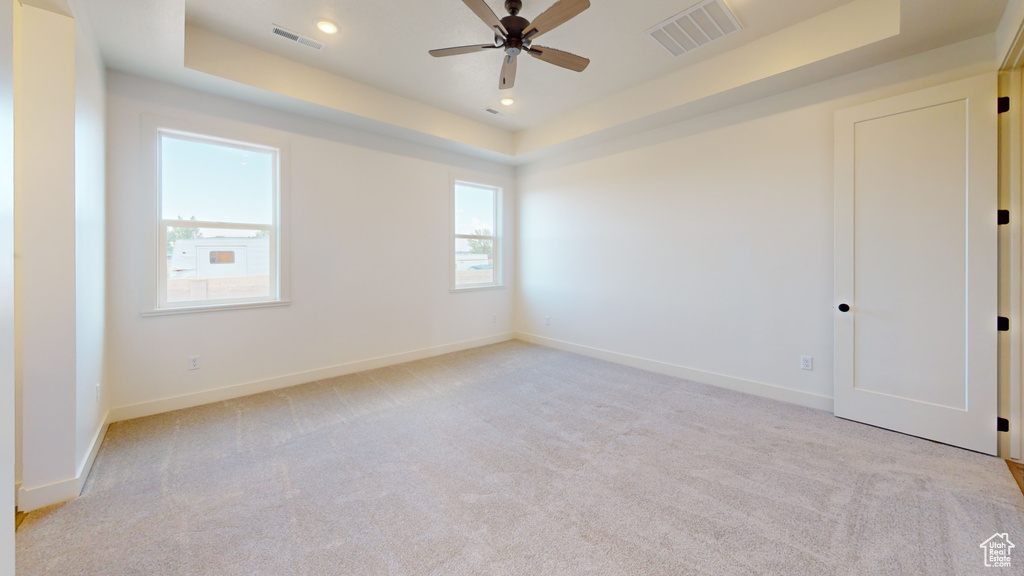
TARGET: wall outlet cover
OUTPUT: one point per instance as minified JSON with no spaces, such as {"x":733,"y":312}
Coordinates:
{"x":807,"y":363}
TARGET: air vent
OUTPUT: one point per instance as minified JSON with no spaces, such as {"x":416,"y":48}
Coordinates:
{"x":698,"y":26}
{"x":285,"y":33}
{"x":492,"y":111}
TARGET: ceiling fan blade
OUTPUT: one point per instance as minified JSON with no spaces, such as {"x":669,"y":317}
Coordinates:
{"x":559,"y":58}
{"x":484,"y":12}
{"x":559,"y":13}
{"x":508,"y":73}
{"x":461,"y":50}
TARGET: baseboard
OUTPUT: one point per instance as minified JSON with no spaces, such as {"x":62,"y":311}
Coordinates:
{"x":227,"y":393}
{"x":97,"y":440}
{"x":30,"y":499}
{"x":704,"y":377}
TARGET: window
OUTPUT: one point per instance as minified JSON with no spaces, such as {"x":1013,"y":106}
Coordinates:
{"x":223,"y":257}
{"x":219,"y":233}
{"x":475,"y":236}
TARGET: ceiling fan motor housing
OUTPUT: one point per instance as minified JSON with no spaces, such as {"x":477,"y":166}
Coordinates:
{"x":513,"y":6}
{"x":514,"y":25}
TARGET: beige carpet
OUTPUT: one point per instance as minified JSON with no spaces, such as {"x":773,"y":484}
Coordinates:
{"x":518,"y":459}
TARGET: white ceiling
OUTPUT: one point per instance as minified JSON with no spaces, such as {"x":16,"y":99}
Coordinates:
{"x":384,"y":44}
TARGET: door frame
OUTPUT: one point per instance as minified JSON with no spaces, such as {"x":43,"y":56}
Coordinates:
{"x":7,"y":395}
{"x":1011,"y":253}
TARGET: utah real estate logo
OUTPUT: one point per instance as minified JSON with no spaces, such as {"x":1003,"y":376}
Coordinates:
{"x":997,"y":551}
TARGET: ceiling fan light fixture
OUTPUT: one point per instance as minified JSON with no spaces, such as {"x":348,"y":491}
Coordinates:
{"x":326,"y":26}
{"x":507,"y":101}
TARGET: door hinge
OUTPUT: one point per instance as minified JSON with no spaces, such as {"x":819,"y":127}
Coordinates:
{"x":1004,"y":324}
{"x":1002,"y":425}
{"x":1004,"y":104}
{"x":1004,"y":217}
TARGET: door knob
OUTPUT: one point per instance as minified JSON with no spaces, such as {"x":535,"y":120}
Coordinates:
{"x":844,"y":307}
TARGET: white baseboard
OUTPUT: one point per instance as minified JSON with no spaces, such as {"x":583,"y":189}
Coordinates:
{"x":97,"y":440}
{"x":227,"y":393}
{"x":711,"y":378}
{"x":29,"y":499}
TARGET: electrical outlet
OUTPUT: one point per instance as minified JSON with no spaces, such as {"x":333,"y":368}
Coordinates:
{"x":494,"y":318}
{"x":807,"y":363}
{"x":97,"y":392}
{"x":193,"y":362}
{"x":547,"y":320}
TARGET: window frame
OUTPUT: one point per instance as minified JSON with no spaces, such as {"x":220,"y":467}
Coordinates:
{"x":154,"y":301}
{"x":454,"y":237}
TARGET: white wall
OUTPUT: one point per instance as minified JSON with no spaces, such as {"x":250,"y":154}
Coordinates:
{"x":90,"y":238}
{"x":705,"y":249}
{"x":60,"y":246}
{"x":1007,"y":34}
{"x":369,"y":259}
{"x":45,"y":254}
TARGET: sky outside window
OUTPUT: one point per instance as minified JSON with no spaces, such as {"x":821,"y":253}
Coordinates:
{"x":474,"y":209}
{"x":216,"y":183}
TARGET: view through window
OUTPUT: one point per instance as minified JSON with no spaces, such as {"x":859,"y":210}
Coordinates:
{"x":476,"y":239}
{"x":218,"y":221}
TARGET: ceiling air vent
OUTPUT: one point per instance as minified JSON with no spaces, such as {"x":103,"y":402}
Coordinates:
{"x":285,"y":33}
{"x":700,"y":25}
{"x":492,"y":111}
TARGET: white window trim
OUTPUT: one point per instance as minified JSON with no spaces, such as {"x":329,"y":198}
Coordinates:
{"x":452,"y":237}
{"x":154,"y":297}
{"x":164,"y":222}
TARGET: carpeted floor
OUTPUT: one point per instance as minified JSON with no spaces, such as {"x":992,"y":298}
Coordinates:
{"x":518,"y":459}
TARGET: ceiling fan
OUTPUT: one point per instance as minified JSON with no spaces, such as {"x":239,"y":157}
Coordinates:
{"x":514,"y":34}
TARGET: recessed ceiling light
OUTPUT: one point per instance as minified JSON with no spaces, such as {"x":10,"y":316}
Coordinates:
{"x":507,"y":101}
{"x":326,"y":26}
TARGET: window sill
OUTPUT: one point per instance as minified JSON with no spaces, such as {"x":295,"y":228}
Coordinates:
{"x":475,"y":288}
{"x":214,"y":308}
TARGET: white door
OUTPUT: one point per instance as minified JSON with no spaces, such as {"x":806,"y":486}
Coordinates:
{"x":916,"y":263}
